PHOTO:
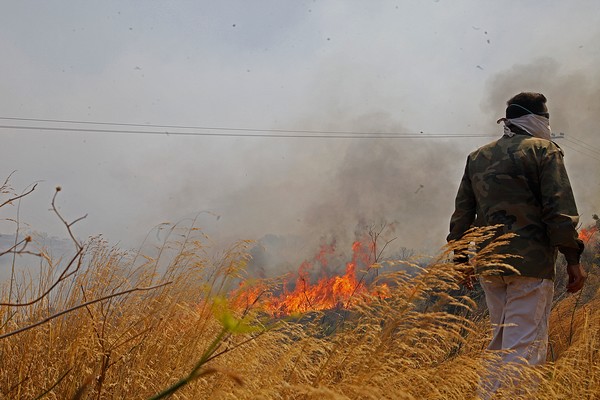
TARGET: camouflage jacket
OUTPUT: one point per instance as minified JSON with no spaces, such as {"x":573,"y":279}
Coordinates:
{"x":521,"y":183}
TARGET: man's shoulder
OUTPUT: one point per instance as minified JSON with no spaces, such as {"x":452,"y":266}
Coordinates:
{"x":545,"y":146}
{"x":485,"y":149}
{"x":523,"y":143}
{"x":486,"y":146}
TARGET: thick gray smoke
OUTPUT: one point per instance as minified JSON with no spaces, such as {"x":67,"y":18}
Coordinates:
{"x":401,"y":182}
{"x":338,"y":190}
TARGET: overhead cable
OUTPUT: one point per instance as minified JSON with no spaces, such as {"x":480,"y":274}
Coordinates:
{"x":242,"y":132}
{"x":220,"y":131}
{"x":227,"y":129}
{"x":595,"y":157}
{"x":582,"y":144}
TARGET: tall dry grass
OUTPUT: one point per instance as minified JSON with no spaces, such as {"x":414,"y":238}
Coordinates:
{"x":174,"y":331}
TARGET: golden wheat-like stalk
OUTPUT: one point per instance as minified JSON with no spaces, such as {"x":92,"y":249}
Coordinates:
{"x":413,"y":343}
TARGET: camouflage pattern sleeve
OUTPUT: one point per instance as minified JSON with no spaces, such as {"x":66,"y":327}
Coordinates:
{"x":559,"y":212}
{"x":465,"y":208}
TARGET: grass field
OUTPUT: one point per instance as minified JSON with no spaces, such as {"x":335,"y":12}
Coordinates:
{"x":109,"y":324}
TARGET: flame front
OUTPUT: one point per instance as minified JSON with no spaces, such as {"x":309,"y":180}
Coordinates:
{"x":329,"y":292}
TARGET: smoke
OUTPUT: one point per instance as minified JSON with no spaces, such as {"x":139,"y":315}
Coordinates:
{"x":400,"y":182}
{"x":337,"y":190}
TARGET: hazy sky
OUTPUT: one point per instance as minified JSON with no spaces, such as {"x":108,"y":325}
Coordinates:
{"x":430,"y":67}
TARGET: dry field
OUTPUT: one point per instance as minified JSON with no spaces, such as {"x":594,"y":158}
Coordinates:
{"x":108,"y":324}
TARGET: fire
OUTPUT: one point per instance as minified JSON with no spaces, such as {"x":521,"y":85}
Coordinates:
{"x":329,"y":292}
{"x":248,"y":295}
{"x":587,"y":233}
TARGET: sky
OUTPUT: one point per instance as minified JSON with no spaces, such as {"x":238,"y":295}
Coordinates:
{"x":438,"y":67}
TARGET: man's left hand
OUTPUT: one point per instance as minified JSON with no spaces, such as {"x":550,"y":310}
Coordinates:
{"x":577,"y":277}
{"x":468,"y":278}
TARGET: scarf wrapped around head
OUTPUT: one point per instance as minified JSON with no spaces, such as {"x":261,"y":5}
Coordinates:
{"x":532,"y":123}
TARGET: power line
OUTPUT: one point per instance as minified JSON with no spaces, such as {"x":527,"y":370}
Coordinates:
{"x":242,"y":132}
{"x":581,"y":152}
{"x":232,"y":129}
{"x":582,"y":144}
{"x":248,"y":133}
{"x":219,"y":131}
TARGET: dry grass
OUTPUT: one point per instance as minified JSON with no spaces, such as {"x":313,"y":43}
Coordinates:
{"x":133,"y":346}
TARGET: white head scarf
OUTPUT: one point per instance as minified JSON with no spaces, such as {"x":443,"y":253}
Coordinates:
{"x":535,"y":125}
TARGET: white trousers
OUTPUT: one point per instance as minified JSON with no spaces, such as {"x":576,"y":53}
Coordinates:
{"x":519,"y":310}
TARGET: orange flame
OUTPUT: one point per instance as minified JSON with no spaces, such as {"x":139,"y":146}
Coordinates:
{"x":585,"y":234}
{"x":246,"y":296}
{"x":329,"y":292}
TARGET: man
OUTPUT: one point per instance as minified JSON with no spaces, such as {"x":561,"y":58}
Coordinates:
{"x":519,"y":182}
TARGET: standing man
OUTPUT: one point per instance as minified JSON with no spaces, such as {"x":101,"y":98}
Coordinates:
{"x":519,"y":182}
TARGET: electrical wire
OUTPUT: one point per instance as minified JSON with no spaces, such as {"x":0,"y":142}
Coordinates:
{"x":582,"y":144}
{"x":580,"y":152}
{"x":222,"y":131}
{"x":229,"y":129}
{"x":248,"y":133}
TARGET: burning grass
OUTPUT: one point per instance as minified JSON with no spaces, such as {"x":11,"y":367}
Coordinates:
{"x":170,"y":326}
